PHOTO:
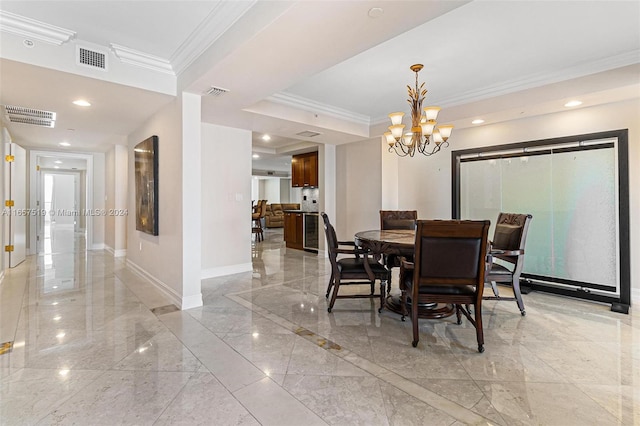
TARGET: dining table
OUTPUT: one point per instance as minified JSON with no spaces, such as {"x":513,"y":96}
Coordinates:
{"x":400,"y":242}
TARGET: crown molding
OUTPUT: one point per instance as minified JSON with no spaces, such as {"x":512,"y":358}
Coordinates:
{"x":537,"y":80}
{"x":35,"y":30}
{"x":295,"y":101}
{"x":222,"y":17}
{"x":541,"y":79}
{"x":141,"y":59}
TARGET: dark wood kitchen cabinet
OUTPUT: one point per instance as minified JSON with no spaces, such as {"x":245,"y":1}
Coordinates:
{"x":304,"y":170}
{"x":293,"y":231}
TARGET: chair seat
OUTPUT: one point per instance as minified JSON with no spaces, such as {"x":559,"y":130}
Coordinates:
{"x":351,"y":264}
{"x":497,"y":269}
{"x":460,"y":290}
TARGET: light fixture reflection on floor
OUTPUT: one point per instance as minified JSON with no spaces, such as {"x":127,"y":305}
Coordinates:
{"x":424,"y":137}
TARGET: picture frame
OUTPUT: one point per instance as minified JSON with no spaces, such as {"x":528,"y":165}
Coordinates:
{"x":146,"y":182}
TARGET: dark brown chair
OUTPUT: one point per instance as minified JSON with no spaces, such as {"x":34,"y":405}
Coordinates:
{"x":508,"y":244}
{"x":396,"y":219}
{"x":449,"y":268}
{"x":356,"y":269}
{"x":259,"y":211}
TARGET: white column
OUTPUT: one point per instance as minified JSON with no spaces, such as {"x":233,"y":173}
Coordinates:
{"x":389,"y":177}
{"x":327,"y":180}
{"x":191,"y":201}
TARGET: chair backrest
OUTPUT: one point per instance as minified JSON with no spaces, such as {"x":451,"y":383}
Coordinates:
{"x":451,"y":252}
{"x":332,"y":241}
{"x":511,"y":234}
{"x":330,"y":233}
{"x":398,"y":219}
{"x":263,"y":208}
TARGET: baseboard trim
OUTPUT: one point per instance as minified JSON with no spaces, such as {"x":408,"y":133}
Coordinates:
{"x":159,"y":284}
{"x":116,"y":253}
{"x":635,"y":296}
{"x":225,"y":270}
{"x":1,"y":276}
{"x":100,"y":246}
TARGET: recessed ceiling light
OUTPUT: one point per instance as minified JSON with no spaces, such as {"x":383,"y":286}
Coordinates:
{"x":58,"y":162}
{"x":64,"y":144}
{"x":375,"y":12}
{"x":82,"y":103}
{"x":477,"y":121}
{"x":572,"y":104}
{"x":56,"y":167}
{"x":266,"y":138}
{"x":255,"y":156}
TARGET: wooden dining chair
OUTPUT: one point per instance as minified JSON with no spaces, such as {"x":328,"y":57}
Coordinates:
{"x":507,"y":246}
{"x":449,"y":268}
{"x":353,"y":267}
{"x":396,"y":219}
{"x":257,"y":215}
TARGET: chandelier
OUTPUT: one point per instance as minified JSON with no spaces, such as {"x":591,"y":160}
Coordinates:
{"x":424,"y":137}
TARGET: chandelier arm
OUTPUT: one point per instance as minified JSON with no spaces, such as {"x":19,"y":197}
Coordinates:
{"x":392,"y":148}
{"x":435,"y":149}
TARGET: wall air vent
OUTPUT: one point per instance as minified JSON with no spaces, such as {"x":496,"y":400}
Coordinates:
{"x":91,"y":58}
{"x":308,"y":134}
{"x":216,"y":91}
{"x":32,"y":116}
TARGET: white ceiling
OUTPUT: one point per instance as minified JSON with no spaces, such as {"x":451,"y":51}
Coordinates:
{"x":326,"y":66}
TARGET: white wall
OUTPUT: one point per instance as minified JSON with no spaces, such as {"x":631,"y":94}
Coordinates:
{"x":358,"y":188}
{"x":285,"y":190}
{"x":272,"y":190}
{"x":160,"y":257}
{"x":226,"y":200}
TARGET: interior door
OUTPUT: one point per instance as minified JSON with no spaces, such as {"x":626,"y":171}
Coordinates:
{"x":16,"y":204}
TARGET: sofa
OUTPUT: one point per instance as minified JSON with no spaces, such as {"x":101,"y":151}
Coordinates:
{"x":274,"y":217}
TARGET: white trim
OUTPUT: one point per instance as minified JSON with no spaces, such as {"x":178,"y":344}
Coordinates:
{"x":116,"y":253}
{"x":32,"y":29}
{"x":222,"y":17}
{"x":194,"y":301}
{"x":141,"y":59}
{"x":100,"y":246}
{"x":225,"y":270}
{"x":1,"y":276}
{"x":164,"y":288}
{"x":635,"y":296}
{"x":295,"y":101}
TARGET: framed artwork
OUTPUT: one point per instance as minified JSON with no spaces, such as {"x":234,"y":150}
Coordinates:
{"x":146,"y":172}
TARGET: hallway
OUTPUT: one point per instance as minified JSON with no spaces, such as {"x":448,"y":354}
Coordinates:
{"x":96,"y":344}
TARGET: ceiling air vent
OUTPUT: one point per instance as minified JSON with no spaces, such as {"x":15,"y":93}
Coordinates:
{"x":35,"y":117}
{"x":216,"y":91}
{"x":91,"y":58}
{"x":308,"y":134}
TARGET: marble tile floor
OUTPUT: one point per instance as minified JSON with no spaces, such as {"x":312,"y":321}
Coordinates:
{"x":88,"y":350}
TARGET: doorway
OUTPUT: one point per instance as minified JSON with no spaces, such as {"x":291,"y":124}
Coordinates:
{"x":61,"y":189}
{"x":63,"y":228}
